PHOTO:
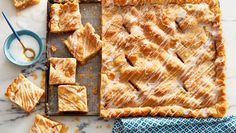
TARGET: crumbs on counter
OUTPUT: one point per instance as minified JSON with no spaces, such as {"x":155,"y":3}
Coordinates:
{"x":98,"y":126}
{"x":95,"y":91}
{"x":34,"y":75}
{"x":18,"y":13}
{"x":77,"y":119}
{"x":53,"y":48}
{"x":82,"y":75}
{"x":93,"y":13}
{"x":43,"y":80}
{"x":77,"y":131}
{"x":108,"y":126}
{"x":47,"y":106}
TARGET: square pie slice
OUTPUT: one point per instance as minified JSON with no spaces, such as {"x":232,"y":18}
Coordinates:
{"x":45,"y":125}
{"x":21,"y":4}
{"x":64,"y":17}
{"x":72,"y":98}
{"x":163,"y":58}
{"x":24,"y":93}
{"x":62,"y":70}
{"x":84,"y":43}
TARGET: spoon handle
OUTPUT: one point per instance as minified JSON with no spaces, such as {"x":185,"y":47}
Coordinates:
{"x":10,"y":25}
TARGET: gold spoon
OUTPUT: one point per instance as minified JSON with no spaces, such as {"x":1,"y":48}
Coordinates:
{"x":29,"y":53}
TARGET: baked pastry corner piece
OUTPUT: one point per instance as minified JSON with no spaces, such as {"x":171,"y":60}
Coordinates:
{"x":24,"y":93}
{"x":64,"y":17}
{"x":84,"y":43}
{"x":45,"y":125}
{"x":72,"y":98}
{"x":21,"y":4}
{"x":62,"y":70}
{"x":162,"y":58}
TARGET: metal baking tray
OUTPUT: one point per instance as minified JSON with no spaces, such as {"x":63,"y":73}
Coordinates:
{"x":88,"y":74}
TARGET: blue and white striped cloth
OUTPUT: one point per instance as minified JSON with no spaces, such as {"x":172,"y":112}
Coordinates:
{"x":175,"y":125}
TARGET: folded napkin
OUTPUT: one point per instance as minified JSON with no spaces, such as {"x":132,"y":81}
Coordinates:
{"x":175,"y":125}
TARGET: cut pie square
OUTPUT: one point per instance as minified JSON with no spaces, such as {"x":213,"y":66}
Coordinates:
{"x":21,"y":4}
{"x":72,"y":98}
{"x":84,"y":43}
{"x":163,"y":58}
{"x":64,"y":17}
{"x":45,"y":125}
{"x":62,"y":70}
{"x":24,"y":93}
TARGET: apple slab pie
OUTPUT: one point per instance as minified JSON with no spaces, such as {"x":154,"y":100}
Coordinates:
{"x":62,"y":70}
{"x":84,"y":43}
{"x":45,"y":125}
{"x":162,"y":58}
{"x":64,"y":1}
{"x":72,"y":98}
{"x":64,"y":17}
{"x":24,"y":93}
{"x":21,"y":4}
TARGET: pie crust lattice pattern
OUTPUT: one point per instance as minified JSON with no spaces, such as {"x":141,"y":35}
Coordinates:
{"x":162,"y":58}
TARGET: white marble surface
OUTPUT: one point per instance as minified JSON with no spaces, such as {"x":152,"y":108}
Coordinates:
{"x":13,"y":120}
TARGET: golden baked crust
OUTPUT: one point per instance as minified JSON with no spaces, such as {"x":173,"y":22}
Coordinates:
{"x":84,"y":43}
{"x":72,"y":98}
{"x":62,"y":70}
{"x":162,"y":58}
{"x":21,"y":4}
{"x":24,"y":93}
{"x":45,"y":125}
{"x":106,"y":3}
{"x":64,"y":17}
{"x":64,"y":1}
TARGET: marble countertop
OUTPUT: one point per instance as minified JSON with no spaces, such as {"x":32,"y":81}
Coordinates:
{"x":34,"y":18}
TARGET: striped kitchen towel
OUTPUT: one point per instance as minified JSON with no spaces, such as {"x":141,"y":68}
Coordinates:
{"x":175,"y":125}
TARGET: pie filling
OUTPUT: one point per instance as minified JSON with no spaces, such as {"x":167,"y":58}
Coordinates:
{"x":162,"y":59}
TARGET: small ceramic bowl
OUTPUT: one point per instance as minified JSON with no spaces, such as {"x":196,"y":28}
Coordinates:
{"x":9,"y":41}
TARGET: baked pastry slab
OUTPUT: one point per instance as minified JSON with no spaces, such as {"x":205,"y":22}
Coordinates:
{"x":45,"y":125}
{"x":64,"y":17}
{"x":163,"y":58}
{"x":24,"y":93}
{"x":64,"y":1}
{"x":62,"y":70}
{"x":84,"y":43}
{"x":21,"y":4}
{"x":72,"y":98}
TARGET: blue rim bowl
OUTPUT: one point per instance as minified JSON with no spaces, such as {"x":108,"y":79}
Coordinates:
{"x":8,"y":43}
